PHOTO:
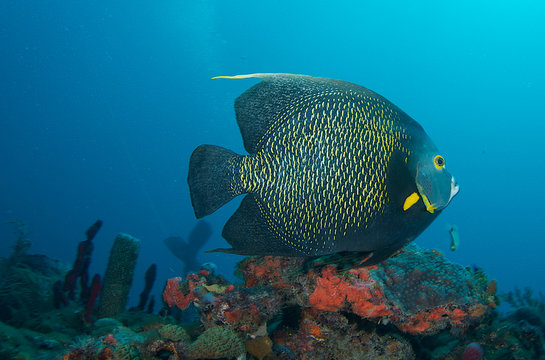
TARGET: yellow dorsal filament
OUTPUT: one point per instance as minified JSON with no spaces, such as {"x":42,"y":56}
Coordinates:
{"x":248,"y":76}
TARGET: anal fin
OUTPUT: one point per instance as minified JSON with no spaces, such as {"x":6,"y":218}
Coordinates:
{"x":248,"y":233}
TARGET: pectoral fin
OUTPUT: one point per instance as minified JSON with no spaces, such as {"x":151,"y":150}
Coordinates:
{"x":410,"y":201}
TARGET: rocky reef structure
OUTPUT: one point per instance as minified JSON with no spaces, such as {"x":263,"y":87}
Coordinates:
{"x":521,"y":333}
{"x":118,"y":276}
{"x":418,"y":291}
{"x":215,"y":343}
{"x":415,"y":305}
{"x":335,"y":313}
{"x":26,"y":283}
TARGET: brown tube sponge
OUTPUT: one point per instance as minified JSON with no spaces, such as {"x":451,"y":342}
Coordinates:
{"x":118,"y":276}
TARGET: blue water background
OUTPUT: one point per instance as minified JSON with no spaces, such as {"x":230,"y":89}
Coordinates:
{"x":101,"y":104}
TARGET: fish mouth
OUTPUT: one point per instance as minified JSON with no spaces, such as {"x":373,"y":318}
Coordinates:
{"x":438,"y":204}
{"x":454,"y":188}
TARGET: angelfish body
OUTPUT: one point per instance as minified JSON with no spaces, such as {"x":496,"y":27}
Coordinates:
{"x":332,"y":167}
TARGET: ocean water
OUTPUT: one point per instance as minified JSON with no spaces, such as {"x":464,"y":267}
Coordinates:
{"x":102,"y":103}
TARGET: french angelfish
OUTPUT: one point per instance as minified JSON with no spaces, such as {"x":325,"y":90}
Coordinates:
{"x":332,"y":167}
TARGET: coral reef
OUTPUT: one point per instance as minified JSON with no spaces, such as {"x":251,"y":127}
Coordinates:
{"x":521,"y":333}
{"x":415,"y":305}
{"x":121,"y":343}
{"x":418,"y":291}
{"x":173,"y":332}
{"x":415,"y":293}
{"x":118,"y":276}
{"x":26,"y":283}
{"x":216,"y":343}
{"x":25,"y":344}
{"x":260,"y":347}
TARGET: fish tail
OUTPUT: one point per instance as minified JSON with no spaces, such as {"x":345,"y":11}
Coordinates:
{"x":211,"y":178}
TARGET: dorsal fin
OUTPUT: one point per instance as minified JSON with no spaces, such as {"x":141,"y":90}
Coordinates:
{"x":260,"y":106}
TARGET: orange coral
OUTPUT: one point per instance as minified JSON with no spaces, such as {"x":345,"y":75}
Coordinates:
{"x":436,"y":314}
{"x":360,"y":298}
{"x":311,"y":329}
{"x":492,"y":287}
{"x":422,"y":321}
{"x":269,"y":269}
{"x":363,"y":272}
{"x":204,"y":272}
{"x":418,"y":324}
{"x":235,"y":316}
{"x":331,"y":292}
{"x":457,"y":316}
{"x":478,"y":310}
{"x":106,"y":354}
{"x":173,"y":294}
{"x":110,"y":340}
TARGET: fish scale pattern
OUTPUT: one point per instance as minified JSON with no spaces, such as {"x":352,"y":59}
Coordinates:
{"x":321,"y":169}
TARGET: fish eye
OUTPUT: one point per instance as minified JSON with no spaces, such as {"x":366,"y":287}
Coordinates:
{"x":439,"y":162}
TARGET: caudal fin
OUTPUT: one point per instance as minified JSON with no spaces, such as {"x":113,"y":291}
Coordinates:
{"x":211,"y":178}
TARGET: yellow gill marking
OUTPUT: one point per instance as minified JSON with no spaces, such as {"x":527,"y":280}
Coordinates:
{"x":410,"y":201}
{"x":429,"y":206}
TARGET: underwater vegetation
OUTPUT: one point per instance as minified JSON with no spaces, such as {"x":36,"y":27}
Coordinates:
{"x":414,"y":305}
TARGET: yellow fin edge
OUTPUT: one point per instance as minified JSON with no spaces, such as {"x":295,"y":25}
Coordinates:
{"x":410,"y":201}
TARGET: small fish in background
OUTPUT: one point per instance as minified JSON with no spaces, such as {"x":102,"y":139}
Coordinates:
{"x":187,"y":251}
{"x":454,"y":237}
{"x":333,"y":167}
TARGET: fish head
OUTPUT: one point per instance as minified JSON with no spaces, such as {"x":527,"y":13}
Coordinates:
{"x":435,"y":184}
